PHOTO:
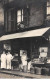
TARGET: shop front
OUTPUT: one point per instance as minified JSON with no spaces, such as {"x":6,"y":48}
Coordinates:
{"x":35,"y":46}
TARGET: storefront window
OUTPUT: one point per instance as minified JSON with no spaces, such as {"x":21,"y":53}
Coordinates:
{"x":16,"y":19}
{"x":19,"y":16}
{"x":9,"y":20}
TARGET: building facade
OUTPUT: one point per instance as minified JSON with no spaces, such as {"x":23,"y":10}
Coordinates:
{"x":26,"y":27}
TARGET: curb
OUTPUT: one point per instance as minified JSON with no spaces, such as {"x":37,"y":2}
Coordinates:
{"x":16,"y":74}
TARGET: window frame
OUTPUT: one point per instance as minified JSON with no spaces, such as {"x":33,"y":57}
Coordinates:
{"x":21,"y":15}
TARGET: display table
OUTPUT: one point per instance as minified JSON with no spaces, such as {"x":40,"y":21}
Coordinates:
{"x":38,"y":64}
{"x":40,"y":68}
{"x":47,"y":65}
{"x":41,"y":65}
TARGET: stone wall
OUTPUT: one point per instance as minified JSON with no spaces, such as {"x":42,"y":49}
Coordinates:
{"x":1,"y":19}
{"x":1,"y":15}
{"x":48,"y":13}
{"x":36,"y":15}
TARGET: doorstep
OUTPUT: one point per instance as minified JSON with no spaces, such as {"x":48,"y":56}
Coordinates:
{"x":22,"y":74}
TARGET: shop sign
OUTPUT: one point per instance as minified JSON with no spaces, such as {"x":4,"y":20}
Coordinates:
{"x":43,"y":49}
{"x":7,"y":47}
{"x":43,"y":54}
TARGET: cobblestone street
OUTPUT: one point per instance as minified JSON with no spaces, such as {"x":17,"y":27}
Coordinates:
{"x":4,"y":76}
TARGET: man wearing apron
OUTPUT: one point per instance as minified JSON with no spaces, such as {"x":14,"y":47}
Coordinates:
{"x":9,"y":58}
{"x":24,"y":59}
{"x":3,"y":60}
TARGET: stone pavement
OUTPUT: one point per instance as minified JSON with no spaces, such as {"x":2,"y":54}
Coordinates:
{"x":8,"y":76}
{"x":22,"y":74}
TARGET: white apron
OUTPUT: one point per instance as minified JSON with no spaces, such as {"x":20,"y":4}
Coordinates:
{"x":24,"y":60}
{"x":3,"y":60}
{"x":9,"y":58}
{"x":29,"y":65}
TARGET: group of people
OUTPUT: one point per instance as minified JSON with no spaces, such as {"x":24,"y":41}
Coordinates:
{"x":6,"y":60}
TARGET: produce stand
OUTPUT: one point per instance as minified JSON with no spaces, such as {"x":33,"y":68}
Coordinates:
{"x":40,"y":68}
{"x":38,"y":64}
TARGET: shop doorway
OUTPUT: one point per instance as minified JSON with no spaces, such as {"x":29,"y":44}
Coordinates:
{"x":20,"y":44}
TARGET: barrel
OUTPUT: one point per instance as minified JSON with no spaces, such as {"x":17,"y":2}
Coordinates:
{"x":47,"y":71}
{"x":43,"y":71}
{"x":25,"y":68}
{"x":38,"y":70}
{"x":32,"y":70}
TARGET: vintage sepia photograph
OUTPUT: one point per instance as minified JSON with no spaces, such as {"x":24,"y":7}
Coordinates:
{"x":25,"y":39}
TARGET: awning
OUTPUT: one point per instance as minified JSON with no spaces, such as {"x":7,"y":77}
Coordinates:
{"x":31,"y":33}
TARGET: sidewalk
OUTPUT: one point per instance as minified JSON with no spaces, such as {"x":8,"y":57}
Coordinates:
{"x":22,"y":74}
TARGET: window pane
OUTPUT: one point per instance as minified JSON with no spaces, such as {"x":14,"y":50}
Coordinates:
{"x":22,"y":14}
{"x":9,"y":26}
{"x":18,"y":19}
{"x":19,"y":15}
{"x":12,"y":25}
{"x":18,"y":12}
{"x":5,"y":21}
{"x":9,"y":16}
{"x":12,"y":14}
{"x":22,"y":17}
{"x":22,"y":11}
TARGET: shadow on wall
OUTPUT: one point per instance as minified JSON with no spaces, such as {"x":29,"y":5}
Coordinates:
{"x":48,"y":23}
{"x":1,"y":48}
{"x":48,"y":20}
{"x":1,"y":30}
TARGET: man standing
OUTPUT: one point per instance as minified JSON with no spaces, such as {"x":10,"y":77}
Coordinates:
{"x":24,"y":60}
{"x":3,"y":60}
{"x":9,"y":58}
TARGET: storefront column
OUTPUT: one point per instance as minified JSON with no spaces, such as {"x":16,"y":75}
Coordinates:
{"x":31,"y":47}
